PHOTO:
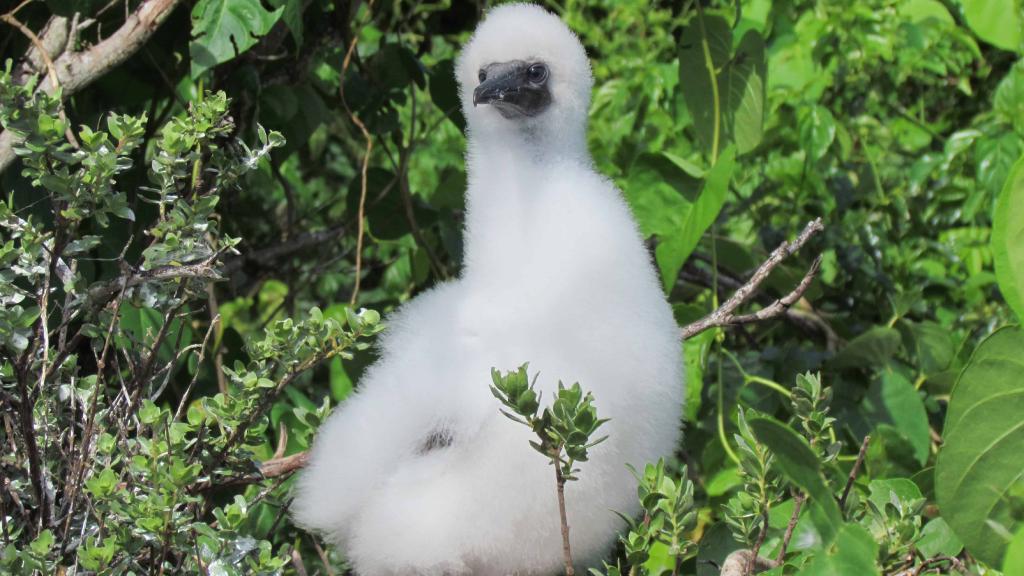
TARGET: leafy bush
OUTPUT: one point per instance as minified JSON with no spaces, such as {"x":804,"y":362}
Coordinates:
{"x":199,"y":208}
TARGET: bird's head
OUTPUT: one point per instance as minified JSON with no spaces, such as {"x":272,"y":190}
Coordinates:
{"x":524,"y":71}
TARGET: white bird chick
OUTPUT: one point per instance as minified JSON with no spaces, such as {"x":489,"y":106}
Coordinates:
{"x":418,"y":472}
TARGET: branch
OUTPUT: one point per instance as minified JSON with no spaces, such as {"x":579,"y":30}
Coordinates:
{"x":280,"y":466}
{"x":725,"y":315}
{"x":798,"y":502}
{"x":853,"y":473}
{"x":743,"y":562}
{"x":76,"y":70}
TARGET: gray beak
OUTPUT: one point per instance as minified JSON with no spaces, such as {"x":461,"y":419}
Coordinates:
{"x":508,"y":88}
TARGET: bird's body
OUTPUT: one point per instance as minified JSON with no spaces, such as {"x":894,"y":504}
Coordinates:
{"x":418,"y":472}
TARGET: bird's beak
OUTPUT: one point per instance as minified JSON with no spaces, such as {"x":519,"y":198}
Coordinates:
{"x":508,"y":89}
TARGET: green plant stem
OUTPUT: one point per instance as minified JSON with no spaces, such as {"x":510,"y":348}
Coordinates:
{"x":710,"y":65}
{"x":751,"y":378}
{"x":566,"y":549}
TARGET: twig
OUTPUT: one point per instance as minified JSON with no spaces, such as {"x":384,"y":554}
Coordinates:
{"x":76,"y":70}
{"x":51,"y":68}
{"x":285,"y":465}
{"x":798,"y":502}
{"x":853,"y":473}
{"x":360,"y":225}
{"x":725,"y":315}
{"x":756,"y":550}
{"x":199,"y":361}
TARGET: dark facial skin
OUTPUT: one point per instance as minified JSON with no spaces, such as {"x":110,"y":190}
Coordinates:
{"x":517,"y":88}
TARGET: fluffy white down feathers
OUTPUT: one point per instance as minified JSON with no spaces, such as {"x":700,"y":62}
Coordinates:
{"x":556,"y":274}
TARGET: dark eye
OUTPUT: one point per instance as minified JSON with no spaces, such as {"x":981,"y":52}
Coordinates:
{"x":537,"y":73}
{"x":481,"y":75}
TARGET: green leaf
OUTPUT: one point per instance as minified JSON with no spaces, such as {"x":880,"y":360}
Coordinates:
{"x":871,"y":349}
{"x":1013,"y":562}
{"x":444,"y":92}
{"x":893,"y":400}
{"x":695,"y":353}
{"x":341,"y":384}
{"x":937,"y":538}
{"x":1008,"y":239}
{"x":984,"y":438}
{"x":854,"y":552}
{"x":817,"y":131}
{"x":220,"y":27}
{"x":42,"y":544}
{"x":292,"y":17}
{"x":673,"y":250}
{"x":695,"y":80}
{"x":744,"y":92}
{"x":799,"y":463}
{"x":997,"y":22}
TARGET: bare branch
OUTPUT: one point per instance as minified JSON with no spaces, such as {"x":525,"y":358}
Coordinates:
{"x":285,"y":465}
{"x":76,"y":70}
{"x":798,"y":502}
{"x":853,"y":473}
{"x":725,"y":315}
{"x":743,"y":562}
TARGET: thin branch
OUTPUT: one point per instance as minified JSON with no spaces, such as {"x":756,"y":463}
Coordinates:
{"x":741,"y":561}
{"x":199,"y":361}
{"x":853,"y":473}
{"x":755,"y":551}
{"x":363,"y":169}
{"x":725,"y":315}
{"x":798,"y":502}
{"x":44,"y":54}
{"x":285,"y":465}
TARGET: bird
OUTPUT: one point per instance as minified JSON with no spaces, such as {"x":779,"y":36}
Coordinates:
{"x":418,"y":472}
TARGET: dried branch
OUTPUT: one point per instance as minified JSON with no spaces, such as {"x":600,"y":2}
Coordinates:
{"x":76,"y":70}
{"x":853,"y":473}
{"x":725,"y":315}
{"x":363,"y":169}
{"x":743,"y":562}
{"x":285,"y":465}
{"x":798,"y":502}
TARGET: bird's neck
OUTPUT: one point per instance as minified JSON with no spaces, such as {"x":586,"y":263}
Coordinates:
{"x":509,"y":203}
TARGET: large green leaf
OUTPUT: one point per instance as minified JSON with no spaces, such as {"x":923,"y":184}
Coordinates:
{"x":744,"y":81}
{"x":699,"y":46}
{"x":854,"y":553}
{"x":1008,"y":239}
{"x":984,"y":439}
{"x":738,"y":83}
{"x":893,"y":400}
{"x":871,"y":349}
{"x":1013,"y":563}
{"x":800,"y":464}
{"x":223,"y":29}
{"x":997,"y":22}
{"x":674,"y":249}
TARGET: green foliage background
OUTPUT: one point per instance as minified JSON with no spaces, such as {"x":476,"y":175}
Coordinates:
{"x":899,"y":123}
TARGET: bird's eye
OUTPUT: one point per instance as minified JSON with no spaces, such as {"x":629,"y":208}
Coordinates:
{"x":537,"y":73}
{"x":481,"y":75}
